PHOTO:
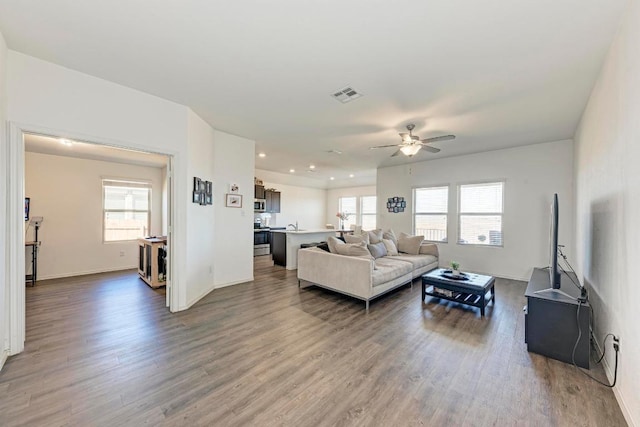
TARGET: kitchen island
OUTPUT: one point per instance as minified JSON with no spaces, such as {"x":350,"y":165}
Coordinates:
{"x":285,"y":244}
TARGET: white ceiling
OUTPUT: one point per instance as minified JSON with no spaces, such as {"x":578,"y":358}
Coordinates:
{"x":82,"y":150}
{"x":496,"y":73}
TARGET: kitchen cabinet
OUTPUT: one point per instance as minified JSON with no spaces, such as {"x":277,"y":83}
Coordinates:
{"x":273,"y":201}
{"x":259,"y":191}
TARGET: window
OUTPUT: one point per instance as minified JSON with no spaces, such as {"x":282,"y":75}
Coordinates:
{"x":481,"y":208}
{"x":361,"y":210}
{"x":126,"y":209}
{"x":348,"y":205}
{"x":368,"y":212}
{"x":430,"y":213}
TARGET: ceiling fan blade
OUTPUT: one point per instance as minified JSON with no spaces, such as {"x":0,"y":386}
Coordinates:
{"x":396,"y":153}
{"x":384,"y":146}
{"x":430,"y":148}
{"x":439,"y":138}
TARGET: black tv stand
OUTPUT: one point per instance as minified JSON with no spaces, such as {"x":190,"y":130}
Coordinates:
{"x":551,"y":327}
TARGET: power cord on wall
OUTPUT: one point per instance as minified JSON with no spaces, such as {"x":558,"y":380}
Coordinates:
{"x":584,"y":297}
{"x":616,"y":347}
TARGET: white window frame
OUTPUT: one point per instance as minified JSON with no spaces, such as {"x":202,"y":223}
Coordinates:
{"x":358,"y":213}
{"x":361,"y":214}
{"x":115,"y":182}
{"x":460,"y":214}
{"x":446,"y":214}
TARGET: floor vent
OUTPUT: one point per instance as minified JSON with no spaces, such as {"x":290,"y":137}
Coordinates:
{"x":346,"y":94}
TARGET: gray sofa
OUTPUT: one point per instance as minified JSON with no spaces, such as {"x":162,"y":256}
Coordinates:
{"x":363,"y":277}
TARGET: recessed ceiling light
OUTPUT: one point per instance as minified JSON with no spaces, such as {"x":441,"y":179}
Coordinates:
{"x":262,"y":155}
{"x":351,"y":175}
{"x":312,"y":166}
{"x":292,"y":170}
{"x":65,"y":142}
{"x":332,"y":178}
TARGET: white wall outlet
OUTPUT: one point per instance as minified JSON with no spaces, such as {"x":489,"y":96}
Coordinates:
{"x":121,"y":253}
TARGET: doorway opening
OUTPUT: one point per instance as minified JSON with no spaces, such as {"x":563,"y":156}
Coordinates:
{"x":17,"y":228}
{"x":97,"y":209}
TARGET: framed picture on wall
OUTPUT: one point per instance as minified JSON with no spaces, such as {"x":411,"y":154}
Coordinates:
{"x":233,"y":201}
{"x":196,"y":197}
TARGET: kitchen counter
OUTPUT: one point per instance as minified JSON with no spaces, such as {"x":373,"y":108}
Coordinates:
{"x":286,"y":244}
{"x":321,"y":230}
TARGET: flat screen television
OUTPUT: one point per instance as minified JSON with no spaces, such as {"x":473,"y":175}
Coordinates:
{"x":554,"y":270}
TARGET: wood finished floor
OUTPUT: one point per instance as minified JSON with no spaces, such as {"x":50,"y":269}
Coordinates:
{"x":103,"y":350}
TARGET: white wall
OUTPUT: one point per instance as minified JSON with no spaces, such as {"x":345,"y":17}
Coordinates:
{"x":4,"y":301}
{"x":300,"y":199}
{"x":607,"y":153}
{"x":335,"y":193}
{"x":67,"y":192}
{"x":233,"y":164}
{"x":532,"y":174}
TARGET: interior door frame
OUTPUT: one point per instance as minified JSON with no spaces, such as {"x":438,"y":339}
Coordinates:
{"x":15,"y":221}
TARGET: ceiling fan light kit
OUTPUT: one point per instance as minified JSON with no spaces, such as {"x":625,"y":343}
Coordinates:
{"x":410,"y":150}
{"x":411,"y":144}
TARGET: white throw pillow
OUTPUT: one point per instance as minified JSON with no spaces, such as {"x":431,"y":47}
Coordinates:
{"x":392,"y":249}
{"x":409,"y":244}
{"x":390,"y":235}
{"x":357,"y":238}
{"x":354,"y":249}
{"x":375,"y":236}
{"x":333,"y":243}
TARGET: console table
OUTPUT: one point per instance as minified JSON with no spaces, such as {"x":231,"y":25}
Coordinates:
{"x":151,"y":261}
{"x":551,"y":322}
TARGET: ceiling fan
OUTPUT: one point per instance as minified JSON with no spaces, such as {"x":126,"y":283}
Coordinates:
{"x":411,"y":143}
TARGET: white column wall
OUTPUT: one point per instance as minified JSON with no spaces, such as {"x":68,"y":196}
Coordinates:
{"x":4,"y":300}
{"x":233,"y":254}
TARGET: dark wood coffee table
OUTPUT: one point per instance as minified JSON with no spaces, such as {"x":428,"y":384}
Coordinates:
{"x":470,"y":289}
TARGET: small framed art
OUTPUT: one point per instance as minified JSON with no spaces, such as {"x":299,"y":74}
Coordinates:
{"x":233,"y":201}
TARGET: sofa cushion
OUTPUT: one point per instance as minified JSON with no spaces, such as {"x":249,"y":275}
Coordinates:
{"x":417,"y":261}
{"x":390,"y":235}
{"x":409,"y":244}
{"x":378,"y":250}
{"x":333,"y":242}
{"x":375,"y":236}
{"x":429,"y":249}
{"x":388,"y":269}
{"x":357,"y":238}
{"x":392,"y":249}
{"x":353,"y":249}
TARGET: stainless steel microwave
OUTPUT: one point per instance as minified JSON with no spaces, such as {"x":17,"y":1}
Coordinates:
{"x":260,"y":205}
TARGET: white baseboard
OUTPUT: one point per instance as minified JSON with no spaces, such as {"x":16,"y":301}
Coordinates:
{"x":211,"y":288}
{"x":83,"y":273}
{"x":3,"y":358}
{"x":616,"y":392}
{"x":237,"y":282}
{"x":203,"y":294}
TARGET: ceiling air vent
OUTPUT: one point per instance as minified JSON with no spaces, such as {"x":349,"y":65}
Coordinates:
{"x":346,"y":94}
